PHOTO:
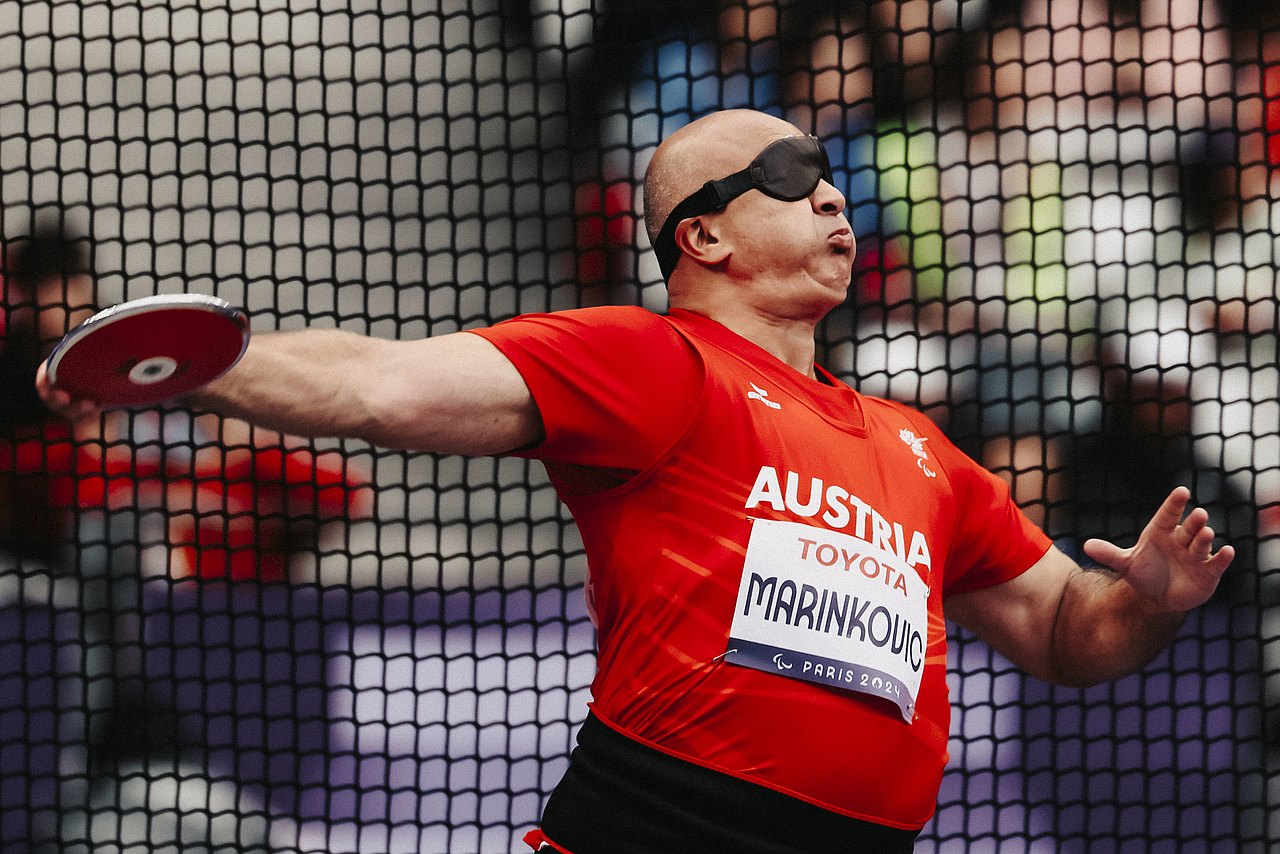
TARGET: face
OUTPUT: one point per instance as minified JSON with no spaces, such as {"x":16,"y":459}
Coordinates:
{"x":796,"y":254}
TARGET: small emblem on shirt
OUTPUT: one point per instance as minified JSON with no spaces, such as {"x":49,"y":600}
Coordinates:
{"x":761,"y":395}
{"x":916,"y":444}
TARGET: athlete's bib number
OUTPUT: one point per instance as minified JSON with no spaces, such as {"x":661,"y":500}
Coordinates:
{"x":829,"y":608}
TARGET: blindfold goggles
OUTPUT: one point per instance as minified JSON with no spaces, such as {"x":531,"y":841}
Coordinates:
{"x":788,"y":169}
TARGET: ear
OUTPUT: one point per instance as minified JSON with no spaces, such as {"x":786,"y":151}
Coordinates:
{"x":699,"y":237}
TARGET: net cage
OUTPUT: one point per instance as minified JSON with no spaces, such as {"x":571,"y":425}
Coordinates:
{"x":217,"y":638}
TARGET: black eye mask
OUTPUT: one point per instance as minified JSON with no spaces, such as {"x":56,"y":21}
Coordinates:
{"x":788,"y":169}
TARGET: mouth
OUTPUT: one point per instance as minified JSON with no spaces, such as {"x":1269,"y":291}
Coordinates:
{"x":841,"y":241}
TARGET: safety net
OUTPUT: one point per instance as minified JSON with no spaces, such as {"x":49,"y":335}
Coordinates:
{"x":214,"y":637}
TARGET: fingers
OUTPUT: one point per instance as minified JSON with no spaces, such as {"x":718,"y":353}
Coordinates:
{"x":56,"y":398}
{"x":1197,"y":536}
{"x":1201,"y":543}
{"x":61,"y":402}
{"x":1170,"y":513}
{"x":1108,"y":554}
{"x":1200,"y":546}
{"x":83,"y":410}
{"x":1168,"y":531}
{"x":1219,"y":562}
{"x":42,"y":380}
{"x":1195,"y":524}
{"x":1192,"y":533}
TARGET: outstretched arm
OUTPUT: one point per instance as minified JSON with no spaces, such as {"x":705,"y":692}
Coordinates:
{"x":452,"y":394}
{"x":1080,"y":627}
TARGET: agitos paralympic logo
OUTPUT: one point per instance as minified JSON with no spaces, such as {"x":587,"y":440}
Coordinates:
{"x":916,"y":444}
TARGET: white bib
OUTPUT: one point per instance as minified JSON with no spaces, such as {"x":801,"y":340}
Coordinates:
{"x":825,"y":607}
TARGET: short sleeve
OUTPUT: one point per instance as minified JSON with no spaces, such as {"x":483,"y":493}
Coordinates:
{"x":994,"y":541}
{"x":616,"y":387}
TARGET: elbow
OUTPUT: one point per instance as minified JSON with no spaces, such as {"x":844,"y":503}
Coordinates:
{"x":1075,"y":677}
{"x":1096,"y":662}
{"x":1069,"y":669}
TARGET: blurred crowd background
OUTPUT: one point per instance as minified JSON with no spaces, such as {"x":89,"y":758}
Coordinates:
{"x":216,"y":638}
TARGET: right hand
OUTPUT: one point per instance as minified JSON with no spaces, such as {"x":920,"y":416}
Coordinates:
{"x":62,"y":403}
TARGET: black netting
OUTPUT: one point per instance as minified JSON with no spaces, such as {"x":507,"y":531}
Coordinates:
{"x":217,"y":638}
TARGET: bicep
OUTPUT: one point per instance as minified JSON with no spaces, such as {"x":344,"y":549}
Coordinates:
{"x":450,"y":394}
{"x":1016,"y":617}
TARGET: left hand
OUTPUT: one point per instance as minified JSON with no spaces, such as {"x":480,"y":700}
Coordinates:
{"x":1173,"y":565}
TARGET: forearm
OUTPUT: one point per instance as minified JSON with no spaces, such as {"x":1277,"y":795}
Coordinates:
{"x":1080,"y":627}
{"x":296,"y":382}
{"x":1105,"y":629}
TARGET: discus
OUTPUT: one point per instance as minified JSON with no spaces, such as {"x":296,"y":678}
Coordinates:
{"x":149,"y":350}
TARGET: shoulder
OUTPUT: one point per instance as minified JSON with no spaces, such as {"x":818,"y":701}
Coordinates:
{"x":611,"y":317}
{"x":903,"y":422}
{"x":898,"y":422}
{"x":596,"y":347}
{"x":618,"y":326}
{"x":892,"y":409}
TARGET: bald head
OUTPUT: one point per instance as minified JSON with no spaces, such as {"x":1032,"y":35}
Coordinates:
{"x":705,"y":150}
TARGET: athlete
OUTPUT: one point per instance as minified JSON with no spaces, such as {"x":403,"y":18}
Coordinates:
{"x":771,"y":553}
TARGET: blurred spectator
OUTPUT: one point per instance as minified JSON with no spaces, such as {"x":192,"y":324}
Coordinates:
{"x":253,"y":499}
{"x":54,"y":476}
{"x":651,"y":68}
{"x":1236,"y":401}
{"x":240,"y":506}
{"x":819,"y":63}
{"x":1043,"y":212}
{"x":1235,"y":398}
{"x":46,"y":466}
{"x":73,"y":503}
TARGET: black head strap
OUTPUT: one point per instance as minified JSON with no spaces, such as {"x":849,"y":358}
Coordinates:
{"x":713,"y":196}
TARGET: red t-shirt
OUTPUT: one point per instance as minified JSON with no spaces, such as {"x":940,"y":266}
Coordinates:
{"x":666,"y":437}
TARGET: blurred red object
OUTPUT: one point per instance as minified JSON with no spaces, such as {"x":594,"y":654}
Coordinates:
{"x":79,"y":474}
{"x":605,"y":231}
{"x":1271,"y":99}
{"x":252,"y":511}
{"x":881,"y":273}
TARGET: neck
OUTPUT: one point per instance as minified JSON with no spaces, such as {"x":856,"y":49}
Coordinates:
{"x":790,"y":340}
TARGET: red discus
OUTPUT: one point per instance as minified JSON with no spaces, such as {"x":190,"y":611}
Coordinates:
{"x":148,"y":350}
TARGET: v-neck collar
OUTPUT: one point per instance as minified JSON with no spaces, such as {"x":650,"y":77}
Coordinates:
{"x":828,"y":396}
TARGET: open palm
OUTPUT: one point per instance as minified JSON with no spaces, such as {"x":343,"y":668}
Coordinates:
{"x":1173,"y":564}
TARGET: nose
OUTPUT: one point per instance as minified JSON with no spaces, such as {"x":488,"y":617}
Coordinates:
{"x":826,"y":199}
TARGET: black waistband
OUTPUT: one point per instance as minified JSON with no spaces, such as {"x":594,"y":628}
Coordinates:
{"x":621,"y":797}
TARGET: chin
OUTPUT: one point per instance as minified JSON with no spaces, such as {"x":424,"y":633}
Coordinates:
{"x":840,"y":283}
{"x":830,"y":299}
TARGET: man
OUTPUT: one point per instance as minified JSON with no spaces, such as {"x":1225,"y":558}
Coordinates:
{"x":770,"y":551}
{"x":46,"y":290}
